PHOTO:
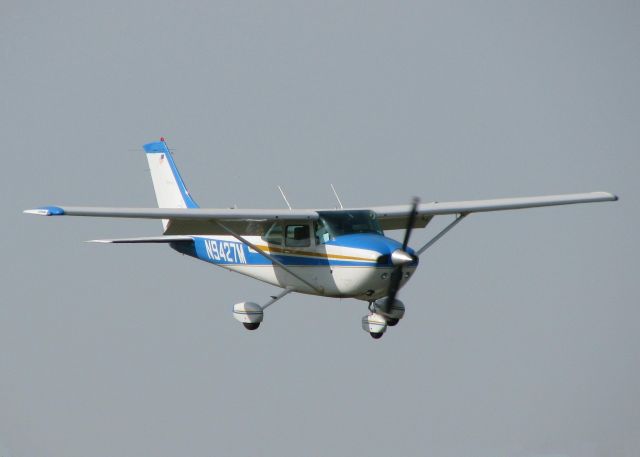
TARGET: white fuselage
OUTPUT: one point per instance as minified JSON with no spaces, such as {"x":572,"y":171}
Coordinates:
{"x":347,"y":269}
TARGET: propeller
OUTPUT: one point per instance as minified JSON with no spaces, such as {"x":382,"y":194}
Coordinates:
{"x":401,"y":257}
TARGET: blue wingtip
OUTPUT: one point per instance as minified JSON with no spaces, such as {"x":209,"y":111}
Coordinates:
{"x":55,"y":210}
{"x":46,"y":211}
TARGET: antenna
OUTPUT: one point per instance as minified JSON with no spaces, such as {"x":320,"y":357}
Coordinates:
{"x":285,"y":198}
{"x":337,"y":198}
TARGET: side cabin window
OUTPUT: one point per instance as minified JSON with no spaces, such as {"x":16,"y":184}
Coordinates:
{"x":273,"y":234}
{"x":298,"y":236}
{"x":332,"y":224}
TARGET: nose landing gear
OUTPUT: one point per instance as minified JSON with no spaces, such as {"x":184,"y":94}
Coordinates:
{"x":377,"y":321}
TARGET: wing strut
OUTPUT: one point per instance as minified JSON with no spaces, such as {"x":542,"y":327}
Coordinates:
{"x":268,"y":256}
{"x":442,"y":233}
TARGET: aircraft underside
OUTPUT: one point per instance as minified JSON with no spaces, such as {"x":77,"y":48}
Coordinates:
{"x":362,"y":283}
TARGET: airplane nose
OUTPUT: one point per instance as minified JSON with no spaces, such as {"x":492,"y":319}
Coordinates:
{"x":400,"y":257}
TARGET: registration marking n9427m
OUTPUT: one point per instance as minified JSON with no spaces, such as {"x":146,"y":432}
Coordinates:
{"x":225,"y":250}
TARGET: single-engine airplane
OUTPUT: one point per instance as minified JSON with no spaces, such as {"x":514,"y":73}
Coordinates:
{"x":340,"y":253}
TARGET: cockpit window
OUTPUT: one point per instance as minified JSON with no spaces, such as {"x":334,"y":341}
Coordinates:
{"x":332,"y":224}
{"x":322,"y":232}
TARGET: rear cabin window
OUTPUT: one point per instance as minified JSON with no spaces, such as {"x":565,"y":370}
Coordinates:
{"x":273,"y":234}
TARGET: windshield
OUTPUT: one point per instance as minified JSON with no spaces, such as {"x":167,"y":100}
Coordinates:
{"x":336,"y":223}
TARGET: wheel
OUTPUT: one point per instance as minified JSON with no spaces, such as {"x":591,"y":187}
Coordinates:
{"x":251,"y":325}
{"x":391,"y":322}
{"x":375,"y":336}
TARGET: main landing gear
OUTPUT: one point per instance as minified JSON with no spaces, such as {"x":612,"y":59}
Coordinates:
{"x":251,"y":314}
{"x":380,"y":316}
{"x":376,"y":322}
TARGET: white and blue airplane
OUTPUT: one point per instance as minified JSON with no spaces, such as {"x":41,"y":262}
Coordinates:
{"x":340,"y":253}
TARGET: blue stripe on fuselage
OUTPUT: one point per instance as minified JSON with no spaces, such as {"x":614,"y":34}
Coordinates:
{"x":370,"y":241}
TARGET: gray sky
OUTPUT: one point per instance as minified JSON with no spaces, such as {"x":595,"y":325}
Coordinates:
{"x":521,"y":336}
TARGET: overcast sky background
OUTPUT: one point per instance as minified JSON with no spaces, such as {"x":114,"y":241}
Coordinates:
{"x":521,"y":334}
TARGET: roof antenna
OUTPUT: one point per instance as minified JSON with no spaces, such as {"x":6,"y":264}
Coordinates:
{"x":337,"y":198}
{"x":285,"y":198}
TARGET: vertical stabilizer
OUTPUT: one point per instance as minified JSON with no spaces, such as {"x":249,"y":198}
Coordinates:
{"x":167,"y":182}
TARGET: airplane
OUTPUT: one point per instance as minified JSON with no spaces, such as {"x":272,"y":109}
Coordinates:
{"x":340,"y":253}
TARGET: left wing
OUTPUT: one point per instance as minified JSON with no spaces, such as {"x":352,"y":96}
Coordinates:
{"x":396,"y":217}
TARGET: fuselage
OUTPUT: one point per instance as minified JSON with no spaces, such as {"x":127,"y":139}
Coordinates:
{"x":356,"y":265}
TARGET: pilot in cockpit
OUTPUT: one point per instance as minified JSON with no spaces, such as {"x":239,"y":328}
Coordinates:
{"x":322,"y":234}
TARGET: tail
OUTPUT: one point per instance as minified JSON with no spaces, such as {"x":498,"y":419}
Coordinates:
{"x":167,"y":182}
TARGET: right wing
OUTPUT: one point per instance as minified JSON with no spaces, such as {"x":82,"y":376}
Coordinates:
{"x":189,"y":221}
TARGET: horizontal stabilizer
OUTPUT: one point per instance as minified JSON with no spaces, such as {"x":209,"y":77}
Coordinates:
{"x":146,"y":239}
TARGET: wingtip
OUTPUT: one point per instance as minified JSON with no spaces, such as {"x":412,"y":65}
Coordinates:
{"x":609,"y":196}
{"x":37,"y":212}
{"x":45,"y":211}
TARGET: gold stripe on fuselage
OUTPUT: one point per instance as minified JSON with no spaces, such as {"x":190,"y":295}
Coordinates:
{"x":275,"y":249}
